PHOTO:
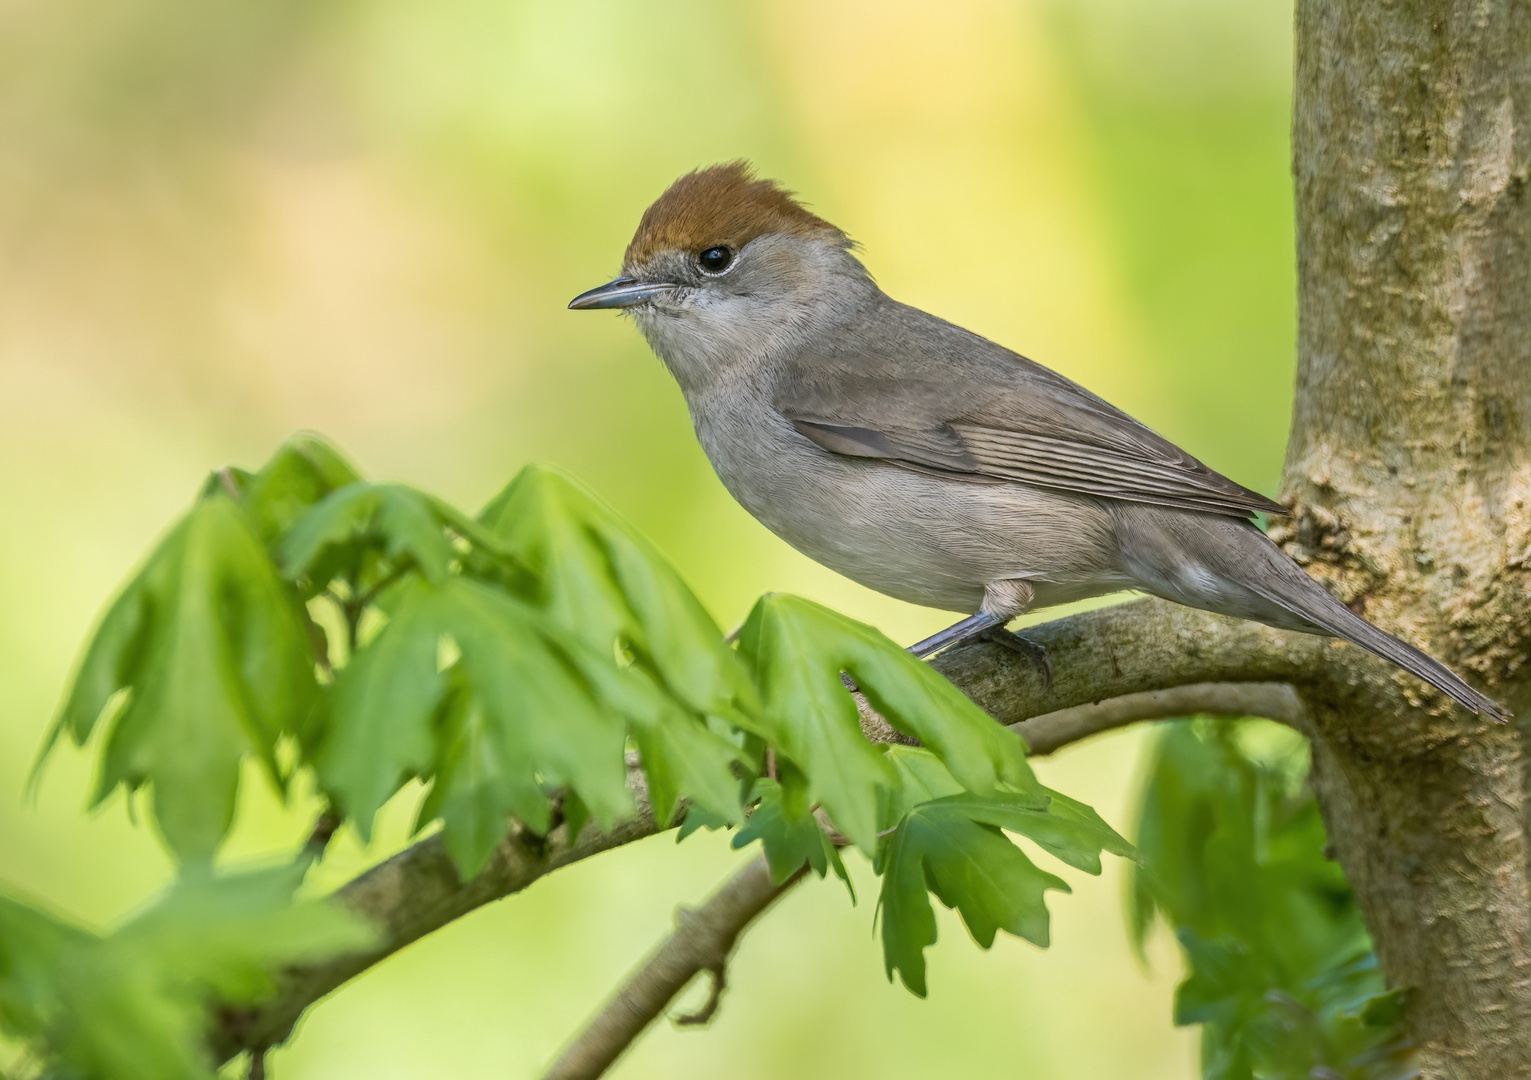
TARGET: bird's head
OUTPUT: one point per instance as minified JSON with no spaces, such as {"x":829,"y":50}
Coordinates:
{"x":727,"y":268}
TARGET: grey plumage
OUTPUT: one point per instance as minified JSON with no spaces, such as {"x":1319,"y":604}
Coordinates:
{"x":896,"y":383}
{"x":930,"y":463}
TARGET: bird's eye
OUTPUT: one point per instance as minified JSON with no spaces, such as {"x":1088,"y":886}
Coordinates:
{"x":715,"y":260}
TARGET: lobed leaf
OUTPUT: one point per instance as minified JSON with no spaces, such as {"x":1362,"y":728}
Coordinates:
{"x":300,"y":474}
{"x":207,"y":658}
{"x":951,"y":842}
{"x":511,"y":718}
{"x":134,"y":1005}
{"x":532,"y":722}
{"x":603,"y":582}
{"x":32,"y":945}
{"x":683,"y":758}
{"x":799,"y":650}
{"x":790,"y":836}
{"x":1280,"y":971}
{"x":402,"y":524}
{"x":537,"y":698}
{"x":1067,"y":829}
{"x":379,"y":711}
{"x":970,"y":866}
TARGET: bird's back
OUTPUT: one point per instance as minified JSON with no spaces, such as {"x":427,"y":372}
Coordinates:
{"x":915,"y":389}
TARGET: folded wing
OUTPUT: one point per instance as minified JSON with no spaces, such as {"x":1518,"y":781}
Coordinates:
{"x":990,"y":415}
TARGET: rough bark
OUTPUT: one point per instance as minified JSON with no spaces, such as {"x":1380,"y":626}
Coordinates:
{"x":1408,"y":472}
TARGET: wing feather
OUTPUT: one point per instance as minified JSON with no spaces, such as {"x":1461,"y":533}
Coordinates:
{"x":995,"y":416}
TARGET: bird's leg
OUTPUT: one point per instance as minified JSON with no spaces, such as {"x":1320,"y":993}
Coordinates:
{"x":1002,"y":601}
{"x":971,"y":626}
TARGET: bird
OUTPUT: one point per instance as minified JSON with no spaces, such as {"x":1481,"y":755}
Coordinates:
{"x":930,"y":463}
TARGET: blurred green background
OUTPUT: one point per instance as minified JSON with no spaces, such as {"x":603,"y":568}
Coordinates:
{"x":224,"y":220}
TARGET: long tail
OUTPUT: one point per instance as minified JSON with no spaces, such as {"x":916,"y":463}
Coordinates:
{"x":1254,"y":576}
{"x":1310,"y":601}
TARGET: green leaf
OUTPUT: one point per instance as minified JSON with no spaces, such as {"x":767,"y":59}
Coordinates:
{"x":135,"y":1005}
{"x":379,"y":731}
{"x":698,"y":818}
{"x":1214,"y":992}
{"x":228,"y":932}
{"x":789,"y":839}
{"x":947,"y":839}
{"x":799,"y":650}
{"x":921,"y":779}
{"x":398,"y":521}
{"x":533,"y":722}
{"x":302,"y":472}
{"x":970,"y":866}
{"x":207,"y":658}
{"x":576,"y":814}
{"x":1280,"y":971}
{"x":1068,"y":830}
{"x":32,"y":945}
{"x":602,"y":581}
{"x":523,"y":719}
{"x":1384,"y":1010}
{"x":682,"y":756}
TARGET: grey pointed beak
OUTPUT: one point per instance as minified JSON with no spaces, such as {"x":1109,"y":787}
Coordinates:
{"x":620,"y":293}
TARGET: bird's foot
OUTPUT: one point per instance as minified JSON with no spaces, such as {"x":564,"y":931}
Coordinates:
{"x":1034,"y":653}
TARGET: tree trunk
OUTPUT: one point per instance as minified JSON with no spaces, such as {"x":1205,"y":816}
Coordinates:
{"x":1409,"y":472}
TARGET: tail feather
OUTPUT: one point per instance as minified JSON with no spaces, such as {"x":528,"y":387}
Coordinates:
{"x":1231,"y":567}
{"x":1299,"y":594}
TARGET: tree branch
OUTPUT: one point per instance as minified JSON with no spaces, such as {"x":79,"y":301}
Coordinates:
{"x":703,"y":939}
{"x":1148,"y":645}
{"x":1133,"y":652}
{"x":1270,"y":700}
{"x":405,"y":898}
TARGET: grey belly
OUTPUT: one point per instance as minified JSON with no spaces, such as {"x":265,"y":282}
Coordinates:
{"x":925,"y":539}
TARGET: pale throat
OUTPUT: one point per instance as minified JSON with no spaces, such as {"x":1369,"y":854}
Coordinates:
{"x":705,"y":337}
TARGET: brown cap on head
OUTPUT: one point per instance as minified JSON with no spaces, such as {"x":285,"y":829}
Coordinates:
{"x":722,"y":204}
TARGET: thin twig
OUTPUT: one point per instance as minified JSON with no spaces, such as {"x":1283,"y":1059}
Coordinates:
{"x":702,"y":941}
{"x":1269,"y":700}
{"x":319,"y":838}
{"x":377,"y":590}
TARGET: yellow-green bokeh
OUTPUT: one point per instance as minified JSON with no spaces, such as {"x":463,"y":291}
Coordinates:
{"x":220,"y":222}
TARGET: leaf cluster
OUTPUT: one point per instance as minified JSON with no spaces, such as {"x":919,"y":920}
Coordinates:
{"x":133,"y":1005}
{"x":952,"y":842}
{"x":520,"y":663}
{"x":1282,"y":976}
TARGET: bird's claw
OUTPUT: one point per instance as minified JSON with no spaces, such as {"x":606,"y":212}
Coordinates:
{"x":1034,"y":653}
